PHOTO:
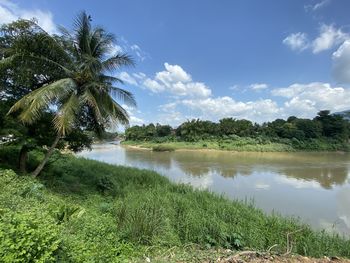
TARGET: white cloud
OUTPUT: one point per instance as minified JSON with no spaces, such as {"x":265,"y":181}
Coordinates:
{"x":173,"y":74}
{"x":341,"y":63}
{"x":153,"y":85}
{"x":124,"y":76}
{"x":221,"y":107}
{"x":297,"y":183}
{"x":321,"y":4}
{"x":173,"y":80}
{"x":234,"y":87}
{"x":139,"y":75}
{"x":9,"y":12}
{"x":133,"y":119}
{"x":173,"y":118}
{"x":305,"y":100}
{"x":139,"y":52}
{"x":168,"y":107}
{"x":297,"y":41}
{"x":115,"y":49}
{"x":258,"y":86}
{"x":302,"y":100}
{"x":328,"y":38}
{"x":317,"y":6}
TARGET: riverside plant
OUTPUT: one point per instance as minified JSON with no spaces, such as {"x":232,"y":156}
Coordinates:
{"x":145,"y":210}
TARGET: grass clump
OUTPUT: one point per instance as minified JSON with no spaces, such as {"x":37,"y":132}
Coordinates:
{"x":96,"y":212}
{"x":163,"y":148}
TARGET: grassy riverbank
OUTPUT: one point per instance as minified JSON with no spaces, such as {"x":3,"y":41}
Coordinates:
{"x":86,"y":211}
{"x":246,"y":144}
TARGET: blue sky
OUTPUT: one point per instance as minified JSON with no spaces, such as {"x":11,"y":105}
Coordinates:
{"x":258,"y":60}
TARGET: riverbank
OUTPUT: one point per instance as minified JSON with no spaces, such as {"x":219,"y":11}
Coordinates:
{"x":243,"y":145}
{"x":82,"y":210}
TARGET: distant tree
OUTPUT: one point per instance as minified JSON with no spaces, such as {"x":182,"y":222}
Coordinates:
{"x":227,"y":126}
{"x":163,"y":130}
{"x":310,"y":128}
{"x":333,"y":125}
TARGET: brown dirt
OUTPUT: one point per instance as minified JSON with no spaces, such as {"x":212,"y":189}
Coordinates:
{"x":251,"y":256}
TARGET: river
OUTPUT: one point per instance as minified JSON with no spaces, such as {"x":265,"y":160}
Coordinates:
{"x":312,"y":186}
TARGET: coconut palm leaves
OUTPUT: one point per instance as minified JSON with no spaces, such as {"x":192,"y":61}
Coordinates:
{"x":86,"y":83}
{"x":83,"y":87}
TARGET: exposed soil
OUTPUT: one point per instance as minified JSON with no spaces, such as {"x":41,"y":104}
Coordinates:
{"x":252,"y":256}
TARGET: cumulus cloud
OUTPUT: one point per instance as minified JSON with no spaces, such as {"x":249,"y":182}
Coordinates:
{"x":133,"y":119}
{"x":302,"y":100}
{"x":173,"y":80}
{"x":10,"y":11}
{"x":124,"y":76}
{"x":328,"y":38}
{"x":258,"y":86}
{"x":305,"y":100}
{"x":341,"y":63}
{"x":221,"y":107}
{"x":297,"y":41}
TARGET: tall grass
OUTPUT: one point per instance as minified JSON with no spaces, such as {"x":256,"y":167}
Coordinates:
{"x":124,"y":211}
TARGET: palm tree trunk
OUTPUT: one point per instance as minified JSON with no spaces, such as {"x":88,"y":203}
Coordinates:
{"x":47,"y":156}
{"x":23,"y":156}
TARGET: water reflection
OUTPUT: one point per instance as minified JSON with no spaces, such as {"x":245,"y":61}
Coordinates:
{"x":328,"y":171}
{"x":312,"y":186}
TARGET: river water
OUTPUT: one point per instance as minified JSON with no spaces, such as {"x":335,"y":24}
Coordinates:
{"x":312,"y":186}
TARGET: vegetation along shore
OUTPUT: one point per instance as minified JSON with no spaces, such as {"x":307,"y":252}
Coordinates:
{"x":325,"y":132}
{"x":59,"y":93}
{"x":81,"y":210}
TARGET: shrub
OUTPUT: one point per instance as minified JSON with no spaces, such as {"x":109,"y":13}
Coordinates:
{"x":66,"y":213}
{"x":104,"y":184}
{"x":27,"y":238}
{"x":163,"y":148}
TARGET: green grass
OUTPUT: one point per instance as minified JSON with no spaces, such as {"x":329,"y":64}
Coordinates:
{"x":216,"y":145}
{"x":247,"y":144}
{"x":95,"y":212}
{"x":163,"y":148}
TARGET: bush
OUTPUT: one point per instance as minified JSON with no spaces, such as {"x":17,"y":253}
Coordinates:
{"x":27,"y":238}
{"x":163,"y":148}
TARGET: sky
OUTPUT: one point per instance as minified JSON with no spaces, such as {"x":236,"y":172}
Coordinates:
{"x":252,"y":59}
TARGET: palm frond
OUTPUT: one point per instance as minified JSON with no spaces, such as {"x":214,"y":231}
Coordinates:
{"x":18,"y":58}
{"x":109,"y":79}
{"x":34,"y":103}
{"x":111,"y":110}
{"x":117,"y":61}
{"x":66,"y":115}
{"x":82,"y":28}
{"x":125,"y":96}
{"x":88,"y":98}
{"x":101,"y":42}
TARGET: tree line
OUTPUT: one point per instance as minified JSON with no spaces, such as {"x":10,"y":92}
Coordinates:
{"x":324,"y":125}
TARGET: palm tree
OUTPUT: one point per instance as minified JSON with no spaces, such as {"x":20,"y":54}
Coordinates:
{"x":84,"y":93}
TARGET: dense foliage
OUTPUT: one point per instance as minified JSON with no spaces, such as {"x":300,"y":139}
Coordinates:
{"x":86,"y":211}
{"x":303,"y":134}
{"x":55,"y":88}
